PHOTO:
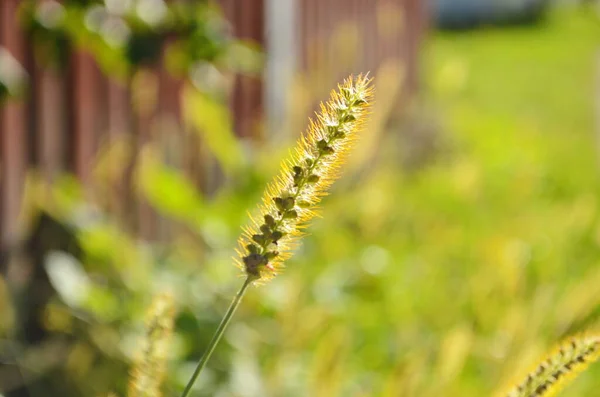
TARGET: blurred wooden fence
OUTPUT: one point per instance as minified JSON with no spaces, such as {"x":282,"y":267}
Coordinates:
{"x":67,"y":116}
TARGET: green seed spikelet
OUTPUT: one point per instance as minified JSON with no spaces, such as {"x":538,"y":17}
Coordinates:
{"x":149,"y":367}
{"x":560,"y":367}
{"x":290,"y":201}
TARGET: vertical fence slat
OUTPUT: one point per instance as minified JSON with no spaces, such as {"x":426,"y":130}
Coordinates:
{"x":119,"y":117}
{"x":50,"y":123}
{"x":145,"y":123}
{"x":254,"y":96}
{"x":415,"y":21}
{"x":248,"y":25}
{"x":13,"y":132}
{"x":119,"y":126}
{"x":84,"y":106}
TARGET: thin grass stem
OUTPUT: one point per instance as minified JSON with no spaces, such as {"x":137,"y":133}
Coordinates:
{"x":217,"y":336}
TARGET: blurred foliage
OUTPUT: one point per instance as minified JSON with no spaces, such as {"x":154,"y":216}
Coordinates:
{"x":192,"y":38}
{"x":445,"y":280}
{"x":127,"y":34}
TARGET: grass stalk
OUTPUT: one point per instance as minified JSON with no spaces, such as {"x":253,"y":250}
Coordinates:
{"x":217,"y":336}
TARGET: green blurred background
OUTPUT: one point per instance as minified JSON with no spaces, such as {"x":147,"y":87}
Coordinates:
{"x":462,"y":242}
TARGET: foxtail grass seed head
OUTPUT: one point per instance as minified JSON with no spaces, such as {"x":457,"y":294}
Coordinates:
{"x":149,"y":367}
{"x":559,"y":368}
{"x":290,"y":200}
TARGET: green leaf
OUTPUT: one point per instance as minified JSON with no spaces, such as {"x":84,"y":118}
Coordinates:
{"x":169,"y":191}
{"x":212,"y":120}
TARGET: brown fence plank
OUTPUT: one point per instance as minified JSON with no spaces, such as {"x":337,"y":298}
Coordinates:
{"x":84,"y":108}
{"x":13,"y":156}
{"x":248,"y":24}
{"x":118,"y":126}
{"x":50,"y":123}
{"x":119,"y":115}
{"x":144,"y":126}
{"x":415,"y":21}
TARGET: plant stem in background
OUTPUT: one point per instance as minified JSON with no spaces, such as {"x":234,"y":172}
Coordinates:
{"x":149,"y":368}
{"x":217,"y":336}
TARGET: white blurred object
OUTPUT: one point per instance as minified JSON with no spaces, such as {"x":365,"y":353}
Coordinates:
{"x":12,"y":75}
{"x":50,"y":14}
{"x":153,"y":12}
{"x":374,"y":259}
{"x":68,"y":277}
{"x":118,"y":7}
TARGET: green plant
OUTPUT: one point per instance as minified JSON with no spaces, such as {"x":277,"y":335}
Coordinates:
{"x":147,"y":374}
{"x":149,"y":368}
{"x":290,"y":202}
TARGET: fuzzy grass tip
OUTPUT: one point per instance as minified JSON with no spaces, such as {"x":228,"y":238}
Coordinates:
{"x":290,"y":201}
{"x":561,"y":366}
{"x":149,"y":367}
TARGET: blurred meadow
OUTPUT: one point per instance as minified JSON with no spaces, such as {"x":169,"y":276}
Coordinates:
{"x":462,"y":242}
